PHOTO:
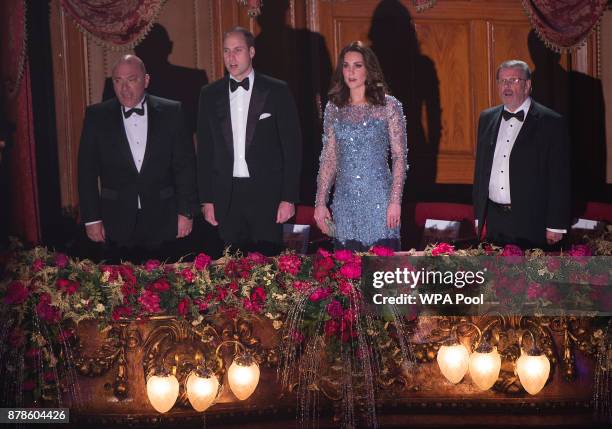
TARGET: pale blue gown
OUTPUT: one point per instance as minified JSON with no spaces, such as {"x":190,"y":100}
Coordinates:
{"x":357,"y":141}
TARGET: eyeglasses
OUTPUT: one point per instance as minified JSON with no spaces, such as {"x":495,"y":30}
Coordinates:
{"x":510,"y":81}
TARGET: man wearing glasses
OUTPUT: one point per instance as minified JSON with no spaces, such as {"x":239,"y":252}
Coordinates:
{"x":522,"y":175}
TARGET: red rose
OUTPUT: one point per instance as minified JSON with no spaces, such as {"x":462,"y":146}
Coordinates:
{"x":16,"y":293}
{"x":61,"y":260}
{"x":351,"y":270}
{"x":128,"y":289}
{"x":46,"y":311}
{"x":152,"y":264}
{"x":183,"y":306}
{"x":334,"y":309}
{"x":512,"y":250}
{"x":259,"y":294}
{"x":203,"y":302}
{"x":222,"y":293}
{"x":67,"y":286}
{"x":290,"y":264}
{"x":323,"y":253}
{"x":257,"y":258}
{"x":159,"y":285}
{"x":252,"y":305}
{"x":343,"y":255}
{"x":149,"y":301}
{"x":187,"y":275}
{"x":302,"y":286}
{"x":345,"y":287}
{"x":580,"y":250}
{"x":121,"y":311}
{"x":553,"y":264}
{"x":443,"y":249}
{"x":382,"y":251}
{"x":37,"y":265}
{"x":202,"y":261}
{"x":233,"y":287}
{"x":331,"y":327}
{"x":127,"y":274}
{"x":320,"y":294}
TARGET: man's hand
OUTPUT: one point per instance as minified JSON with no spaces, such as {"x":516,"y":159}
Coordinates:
{"x":323,"y":219}
{"x":285,"y":211}
{"x":394,"y":212}
{"x":184,"y":226}
{"x":95,"y":232}
{"x":553,"y":237}
{"x":208,"y":210}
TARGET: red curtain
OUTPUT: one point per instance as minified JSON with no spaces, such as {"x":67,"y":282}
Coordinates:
{"x":20,"y":158}
{"x":116,"y":24}
{"x":564,"y":24}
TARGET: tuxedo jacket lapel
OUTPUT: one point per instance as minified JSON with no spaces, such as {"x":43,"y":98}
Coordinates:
{"x":224,"y":115}
{"x":256,"y":106}
{"x":120,"y":135}
{"x":531,"y":119}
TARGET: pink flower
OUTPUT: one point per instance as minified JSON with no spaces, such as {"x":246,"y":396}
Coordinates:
{"x":152,"y":264}
{"x":183,"y":306}
{"x":351,"y":270}
{"x":159,"y":285}
{"x":37,"y":265}
{"x":203,"y":302}
{"x":202,"y":261}
{"x":553,"y":264}
{"x":580,"y":250}
{"x":334,"y":309}
{"x":67,"y":286}
{"x":289,"y":264}
{"x":579,"y":253}
{"x":343,"y":255}
{"x":259,"y":294}
{"x":257,"y":258}
{"x":382,"y":251}
{"x":252,"y":305}
{"x":187,"y":275}
{"x":323,"y":253}
{"x":61,"y":260}
{"x":443,"y":249}
{"x":320,"y":294}
{"x":16,"y":293}
{"x":512,"y":250}
{"x":149,"y":301}
{"x":345,"y":287}
{"x":222,"y":293}
{"x":46,"y":311}
{"x":121,"y":311}
{"x":331,"y":327}
{"x":302,"y":286}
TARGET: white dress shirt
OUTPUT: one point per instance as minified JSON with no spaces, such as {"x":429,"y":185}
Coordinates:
{"x":239,"y":109}
{"x":136,"y":131}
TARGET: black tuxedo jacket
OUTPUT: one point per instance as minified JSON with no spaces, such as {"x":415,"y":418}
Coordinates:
{"x":273,"y":145}
{"x":539,"y":172}
{"x":166,"y":182}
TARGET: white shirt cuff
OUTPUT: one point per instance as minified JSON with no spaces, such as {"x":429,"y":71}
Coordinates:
{"x":93,"y":223}
{"x":560,"y":231}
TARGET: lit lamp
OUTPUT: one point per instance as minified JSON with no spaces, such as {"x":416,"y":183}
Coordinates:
{"x":243,"y":376}
{"x":202,"y":388}
{"x":453,"y":361}
{"x":533,"y":369}
{"x":485,"y":364}
{"x":162,"y":391}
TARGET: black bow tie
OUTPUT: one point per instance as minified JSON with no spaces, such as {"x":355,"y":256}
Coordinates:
{"x":520,"y":115}
{"x":137,"y":110}
{"x":244,"y":83}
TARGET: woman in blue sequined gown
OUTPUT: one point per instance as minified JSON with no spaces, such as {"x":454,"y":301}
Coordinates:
{"x":362,"y":126}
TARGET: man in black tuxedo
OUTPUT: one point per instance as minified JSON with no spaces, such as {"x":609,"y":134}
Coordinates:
{"x":522,"y":174}
{"x":249,"y":151}
{"x":138,"y":147}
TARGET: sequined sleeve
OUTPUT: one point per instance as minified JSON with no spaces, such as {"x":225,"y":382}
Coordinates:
{"x":399,"y":149}
{"x":328,"y":160}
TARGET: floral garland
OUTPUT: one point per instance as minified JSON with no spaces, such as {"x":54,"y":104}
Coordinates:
{"x":47,"y":289}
